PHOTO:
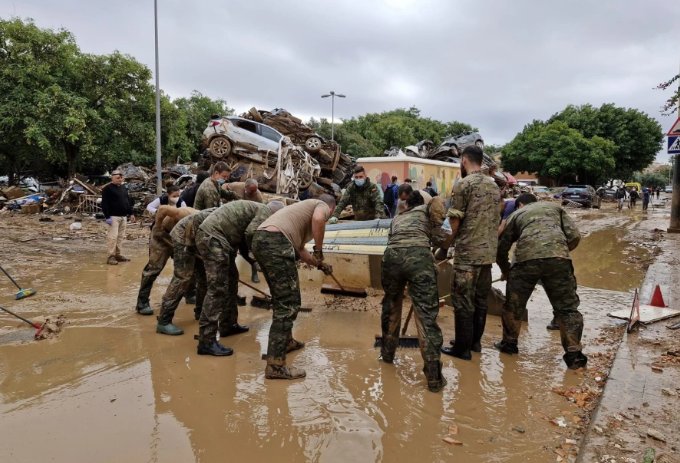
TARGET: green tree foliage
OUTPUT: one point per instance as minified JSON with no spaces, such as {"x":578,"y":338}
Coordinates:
{"x":653,"y":180}
{"x":559,"y":152}
{"x":671,"y":105}
{"x":197,"y":109}
{"x":637,"y":136}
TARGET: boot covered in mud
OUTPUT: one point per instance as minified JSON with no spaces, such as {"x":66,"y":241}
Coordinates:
{"x":214,"y":348}
{"x":170,"y":329}
{"x":435,"y":378}
{"x":233,"y":329}
{"x":478,"y":325}
{"x":277,"y":369}
{"x":389,"y":348}
{"x":294,"y":345}
{"x":121,"y":258}
{"x":253,"y":276}
{"x":197,"y":313}
{"x":506,"y":347}
{"x":553,"y":326}
{"x":464,"y":332}
{"x":575,"y":360}
{"x":143,"y":308}
{"x":111,"y":261}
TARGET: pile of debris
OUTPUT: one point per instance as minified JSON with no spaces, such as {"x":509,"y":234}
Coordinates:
{"x":306,"y":165}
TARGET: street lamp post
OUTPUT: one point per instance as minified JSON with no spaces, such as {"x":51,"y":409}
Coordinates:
{"x":159,"y":186}
{"x":333,"y":95}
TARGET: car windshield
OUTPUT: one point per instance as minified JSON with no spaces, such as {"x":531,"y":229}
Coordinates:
{"x":576,"y":190}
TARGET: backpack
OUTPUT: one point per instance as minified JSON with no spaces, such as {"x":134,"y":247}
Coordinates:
{"x":389,"y":195}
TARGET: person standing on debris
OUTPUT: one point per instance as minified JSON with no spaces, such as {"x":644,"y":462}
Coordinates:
{"x":545,"y":234}
{"x":188,"y":196}
{"x":277,"y":244}
{"x":391,"y":197}
{"x":187,"y":270}
{"x":473,"y":216}
{"x":170,"y":198}
{"x":363,"y":196}
{"x":404,"y":191}
{"x":160,"y":250}
{"x":116,"y":207}
{"x":211,"y":191}
{"x":429,"y":190}
{"x":218,"y":239}
{"x":620,"y":196}
{"x":408,"y":260}
{"x":646,"y":194}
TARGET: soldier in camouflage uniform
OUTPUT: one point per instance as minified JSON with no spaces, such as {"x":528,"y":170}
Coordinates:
{"x":210,"y":193}
{"x":186,"y":266}
{"x":544,"y":234}
{"x":364,"y":198}
{"x":408,"y":259}
{"x":277,"y":244}
{"x":473,"y":215}
{"x":159,"y":252}
{"x":218,"y":239}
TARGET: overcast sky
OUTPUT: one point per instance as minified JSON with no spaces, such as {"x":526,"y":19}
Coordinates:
{"x":495,"y":64}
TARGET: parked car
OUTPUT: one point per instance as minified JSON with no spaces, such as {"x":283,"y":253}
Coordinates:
{"x":668,"y":189}
{"x":454,"y":146}
{"x":582,"y":194}
{"x":541,"y":190}
{"x":609,"y":193}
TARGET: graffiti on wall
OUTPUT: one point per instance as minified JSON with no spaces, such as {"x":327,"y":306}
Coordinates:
{"x":442,"y":178}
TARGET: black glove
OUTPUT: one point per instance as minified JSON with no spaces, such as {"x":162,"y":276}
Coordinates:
{"x":318,"y":254}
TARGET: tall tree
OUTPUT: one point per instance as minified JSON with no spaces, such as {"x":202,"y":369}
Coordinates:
{"x":197,"y":110}
{"x":637,"y":136}
{"x":559,"y":152}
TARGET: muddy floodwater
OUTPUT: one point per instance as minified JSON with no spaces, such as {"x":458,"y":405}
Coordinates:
{"x":110,"y":389}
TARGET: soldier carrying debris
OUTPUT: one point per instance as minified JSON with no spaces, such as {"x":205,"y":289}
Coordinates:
{"x":186,"y":266}
{"x":277,"y":244}
{"x":408,"y":259}
{"x":544,"y":234}
{"x":211,"y":192}
{"x":363,"y":196}
{"x":218,"y":239}
{"x":159,"y":252}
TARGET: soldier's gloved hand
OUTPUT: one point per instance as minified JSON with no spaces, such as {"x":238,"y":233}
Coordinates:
{"x":318,"y":254}
{"x":333,"y":220}
{"x":325,"y":268}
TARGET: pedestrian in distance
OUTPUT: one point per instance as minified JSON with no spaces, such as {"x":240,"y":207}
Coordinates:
{"x":473,"y":216}
{"x":646,"y":195}
{"x":408,"y":260}
{"x":545,"y":234}
{"x":116,"y":207}
{"x":363,"y":196}
{"x":160,"y":250}
{"x":658,"y":192}
{"x":171,"y":198}
{"x":633,"y":197}
{"x":277,"y":244}
{"x":429,"y":190}
{"x":620,"y":197}
{"x":391,"y":197}
{"x":218,"y":239}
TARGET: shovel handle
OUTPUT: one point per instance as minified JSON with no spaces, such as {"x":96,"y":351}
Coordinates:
{"x":408,"y":319}
{"x":34,"y":325}
{"x":336,"y":281}
{"x":255,"y":289}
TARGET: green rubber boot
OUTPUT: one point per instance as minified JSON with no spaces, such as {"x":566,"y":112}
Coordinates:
{"x":170,"y":329}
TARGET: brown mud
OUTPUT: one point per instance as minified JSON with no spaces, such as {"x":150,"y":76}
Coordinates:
{"x":110,"y":389}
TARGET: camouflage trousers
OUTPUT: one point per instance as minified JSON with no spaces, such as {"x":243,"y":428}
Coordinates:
{"x":277,"y":258}
{"x":159,"y":253}
{"x":470,"y":286}
{"x":220,"y":307}
{"x":416,"y":267}
{"x":559,"y":283}
{"x":188,"y":270}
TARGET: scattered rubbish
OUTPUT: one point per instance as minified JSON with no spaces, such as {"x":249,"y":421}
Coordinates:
{"x":112,"y":400}
{"x":656,"y":369}
{"x":654,"y":434}
{"x":51,"y":327}
{"x":559,"y":422}
{"x":76,"y":226}
{"x":451,"y":441}
{"x":453,"y":429}
{"x":669,"y":392}
{"x":519,"y":429}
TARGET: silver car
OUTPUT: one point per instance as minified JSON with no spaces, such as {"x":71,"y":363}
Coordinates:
{"x":454,"y":146}
{"x":231,"y":134}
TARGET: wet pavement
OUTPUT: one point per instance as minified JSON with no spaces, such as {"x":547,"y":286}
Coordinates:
{"x":110,"y":389}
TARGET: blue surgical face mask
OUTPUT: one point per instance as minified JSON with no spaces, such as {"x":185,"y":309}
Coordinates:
{"x":359,"y":182}
{"x":221,"y":181}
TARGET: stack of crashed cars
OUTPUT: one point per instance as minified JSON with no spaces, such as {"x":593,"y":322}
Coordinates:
{"x":449,"y":150}
{"x":284,"y":155}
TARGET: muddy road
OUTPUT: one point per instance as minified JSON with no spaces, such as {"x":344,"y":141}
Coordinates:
{"x":110,"y":389}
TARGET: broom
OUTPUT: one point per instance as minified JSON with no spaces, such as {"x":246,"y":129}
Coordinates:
{"x":34,"y":325}
{"x":407,"y":342}
{"x":22,"y":292}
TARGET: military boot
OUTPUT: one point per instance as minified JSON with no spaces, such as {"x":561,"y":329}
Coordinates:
{"x":277,"y":369}
{"x":241,"y":300}
{"x":506,"y":347}
{"x":478,"y":325}
{"x":143,"y":308}
{"x":197,"y":313}
{"x":575,"y":360}
{"x":121,"y":258}
{"x":191,"y":300}
{"x":170,"y":329}
{"x":232,"y":330}
{"x":214,"y":348}
{"x":553,"y":325}
{"x":389,"y":348}
{"x":463,"y":341}
{"x":253,"y":277}
{"x":111,"y":261}
{"x":435,"y":378}
{"x":294,"y":345}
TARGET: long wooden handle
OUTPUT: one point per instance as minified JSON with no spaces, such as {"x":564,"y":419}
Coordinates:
{"x":408,"y":319}
{"x":255,"y":289}
{"x":336,"y":281}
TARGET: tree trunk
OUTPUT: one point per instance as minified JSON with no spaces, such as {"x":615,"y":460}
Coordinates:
{"x":72,"y":152}
{"x":12,"y":174}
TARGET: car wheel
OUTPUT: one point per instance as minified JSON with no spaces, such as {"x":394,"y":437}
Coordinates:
{"x":313,"y":144}
{"x":305,"y":180}
{"x":220,"y":147}
{"x":479,"y":144}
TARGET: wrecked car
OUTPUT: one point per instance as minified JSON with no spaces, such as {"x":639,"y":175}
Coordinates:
{"x":454,"y":146}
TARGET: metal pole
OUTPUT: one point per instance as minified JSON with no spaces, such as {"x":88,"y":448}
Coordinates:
{"x":332,"y":116}
{"x":675,"y":203}
{"x":159,"y":186}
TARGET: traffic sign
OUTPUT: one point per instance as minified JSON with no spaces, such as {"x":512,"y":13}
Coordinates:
{"x":675,"y":130}
{"x":674,"y":145}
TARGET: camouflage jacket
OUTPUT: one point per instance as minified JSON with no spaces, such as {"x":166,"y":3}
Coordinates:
{"x":184,"y":232}
{"x":541,"y":230}
{"x":234,"y":220}
{"x":476,"y":201}
{"x":415,"y":228}
{"x":210,"y":194}
{"x":365,"y":201}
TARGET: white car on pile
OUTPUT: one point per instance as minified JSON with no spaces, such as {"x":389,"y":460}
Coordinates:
{"x":231,"y":134}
